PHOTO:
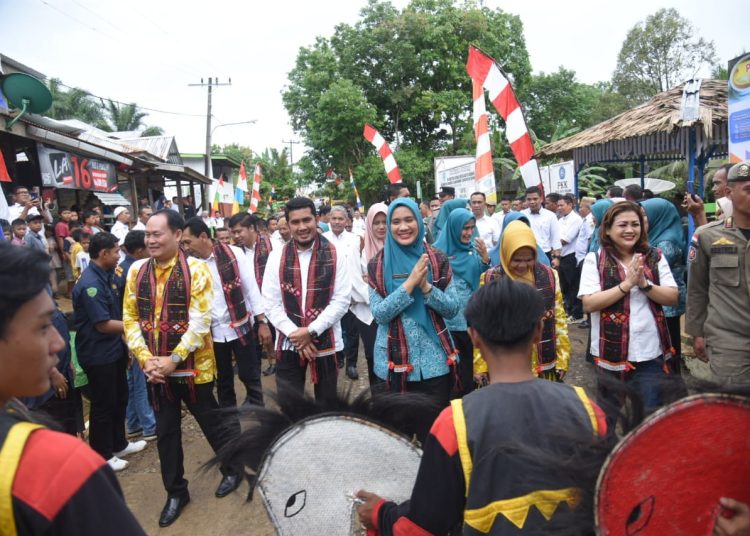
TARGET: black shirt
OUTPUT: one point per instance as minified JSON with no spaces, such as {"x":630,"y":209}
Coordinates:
{"x":95,"y":300}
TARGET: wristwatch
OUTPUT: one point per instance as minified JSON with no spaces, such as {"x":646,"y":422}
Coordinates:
{"x":648,"y":286}
{"x":264,"y":320}
{"x":313,"y":333}
{"x":175,"y":358}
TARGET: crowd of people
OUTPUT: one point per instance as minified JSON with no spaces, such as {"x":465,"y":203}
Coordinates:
{"x":447,"y":298}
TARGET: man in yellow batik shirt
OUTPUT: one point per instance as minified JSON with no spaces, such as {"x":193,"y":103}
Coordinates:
{"x":167,"y":317}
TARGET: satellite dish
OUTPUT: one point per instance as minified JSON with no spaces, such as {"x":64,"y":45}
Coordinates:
{"x":27,"y":93}
{"x":658,"y":186}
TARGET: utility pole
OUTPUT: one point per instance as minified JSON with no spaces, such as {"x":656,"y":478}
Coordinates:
{"x":291,"y":154}
{"x":212,"y":82}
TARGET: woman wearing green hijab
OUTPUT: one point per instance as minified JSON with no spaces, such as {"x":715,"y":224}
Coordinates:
{"x":411,"y":295}
{"x":468,"y":258}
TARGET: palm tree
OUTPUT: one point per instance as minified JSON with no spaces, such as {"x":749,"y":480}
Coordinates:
{"x":73,"y":104}
{"x":124,"y":117}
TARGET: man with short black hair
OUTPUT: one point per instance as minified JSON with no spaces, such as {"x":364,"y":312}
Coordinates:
{"x":101,"y":352}
{"x":236,"y":301}
{"x":570,"y":227}
{"x":464,"y":472}
{"x":633,"y":193}
{"x":550,"y":202}
{"x":323,"y":217}
{"x":143,"y":215}
{"x":396,"y":190}
{"x":488,"y":228}
{"x":614,"y":191}
{"x":24,"y":205}
{"x":223,"y":235}
{"x":167,"y":318}
{"x":544,"y":224}
{"x":305,"y":310}
{"x":505,"y":207}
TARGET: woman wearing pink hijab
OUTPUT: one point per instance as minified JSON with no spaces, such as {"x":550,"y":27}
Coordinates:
{"x":375,"y":231}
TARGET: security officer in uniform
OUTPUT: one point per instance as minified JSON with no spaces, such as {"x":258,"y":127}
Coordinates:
{"x":718,"y":301}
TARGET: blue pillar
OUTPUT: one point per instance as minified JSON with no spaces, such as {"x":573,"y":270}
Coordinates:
{"x":691,"y":179}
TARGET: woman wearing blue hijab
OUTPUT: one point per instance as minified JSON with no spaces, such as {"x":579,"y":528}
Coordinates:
{"x":598,"y":210}
{"x":665,"y":233}
{"x":468,"y":258}
{"x":445,"y":211}
{"x":410,"y":296}
{"x":541,"y":256}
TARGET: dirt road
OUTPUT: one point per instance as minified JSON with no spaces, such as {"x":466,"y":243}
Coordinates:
{"x":207,"y":515}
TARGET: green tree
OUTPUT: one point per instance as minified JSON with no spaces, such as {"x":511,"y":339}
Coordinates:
{"x":74,"y":103}
{"x":125,"y":117}
{"x":659,"y":53}
{"x":404,"y":72}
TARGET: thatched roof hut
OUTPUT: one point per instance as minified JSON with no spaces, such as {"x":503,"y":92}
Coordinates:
{"x":655,"y":130}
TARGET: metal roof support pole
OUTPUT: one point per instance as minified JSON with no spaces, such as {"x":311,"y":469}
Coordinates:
{"x":691,"y":179}
{"x":643,"y":171}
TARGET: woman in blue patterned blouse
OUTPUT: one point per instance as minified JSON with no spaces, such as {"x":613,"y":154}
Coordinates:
{"x":468,"y":257}
{"x":411,"y":295}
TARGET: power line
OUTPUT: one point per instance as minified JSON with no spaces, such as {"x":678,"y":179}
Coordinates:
{"x":129,"y":103}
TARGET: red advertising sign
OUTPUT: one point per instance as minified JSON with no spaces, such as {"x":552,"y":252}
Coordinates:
{"x":62,"y":169}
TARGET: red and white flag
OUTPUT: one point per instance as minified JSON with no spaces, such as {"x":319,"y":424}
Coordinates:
{"x":255,"y":199}
{"x":384,"y":150}
{"x":484,"y":173}
{"x":485,"y":72}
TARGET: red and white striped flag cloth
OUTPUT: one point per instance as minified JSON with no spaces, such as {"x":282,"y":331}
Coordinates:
{"x":484,"y":173}
{"x":485,"y":71}
{"x":255,"y":199}
{"x":384,"y":150}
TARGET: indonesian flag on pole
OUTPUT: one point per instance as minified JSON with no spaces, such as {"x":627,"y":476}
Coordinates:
{"x":4,"y":176}
{"x":255,"y":199}
{"x":384,"y":150}
{"x":484,"y":173}
{"x":485,"y":72}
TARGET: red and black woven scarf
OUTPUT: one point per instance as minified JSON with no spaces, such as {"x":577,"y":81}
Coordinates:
{"x":614,"y":331}
{"x":544,"y":281}
{"x":231,"y":284}
{"x":398,"y":347}
{"x":321,"y":279}
{"x":262,"y":250}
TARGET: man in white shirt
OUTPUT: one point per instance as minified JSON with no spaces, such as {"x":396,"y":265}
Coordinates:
{"x":584,"y":239}
{"x":570,"y":226}
{"x":236,"y":300}
{"x":307,"y":319}
{"x":544,"y":224}
{"x":487,"y":227}
{"x":25,"y":206}
{"x":347,"y":244}
{"x":120,"y":228}
{"x":143,"y":215}
{"x":358,"y":224}
{"x":505,"y":207}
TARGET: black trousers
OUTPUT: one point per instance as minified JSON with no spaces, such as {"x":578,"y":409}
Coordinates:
{"x":248,"y":365}
{"x":368,"y":332}
{"x":570,"y":280}
{"x":465,"y":365}
{"x":108,"y":387}
{"x":439,"y":389}
{"x":167,"y":410}
{"x":291,"y":370}
{"x":350,"y":333}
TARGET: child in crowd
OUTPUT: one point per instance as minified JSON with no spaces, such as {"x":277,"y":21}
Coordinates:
{"x":79,"y":256}
{"x":18,"y":229}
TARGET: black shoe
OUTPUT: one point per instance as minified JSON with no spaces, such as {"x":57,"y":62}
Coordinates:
{"x":270,"y":370}
{"x":585,"y":324}
{"x":172,"y":509}
{"x":228,"y":484}
{"x":351,"y":372}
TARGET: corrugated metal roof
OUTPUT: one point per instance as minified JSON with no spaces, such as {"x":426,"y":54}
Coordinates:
{"x":164,"y":147}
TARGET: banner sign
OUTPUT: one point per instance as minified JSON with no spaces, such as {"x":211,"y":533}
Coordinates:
{"x":739,"y":109}
{"x":457,"y":172}
{"x":562,"y":178}
{"x":62,"y":169}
